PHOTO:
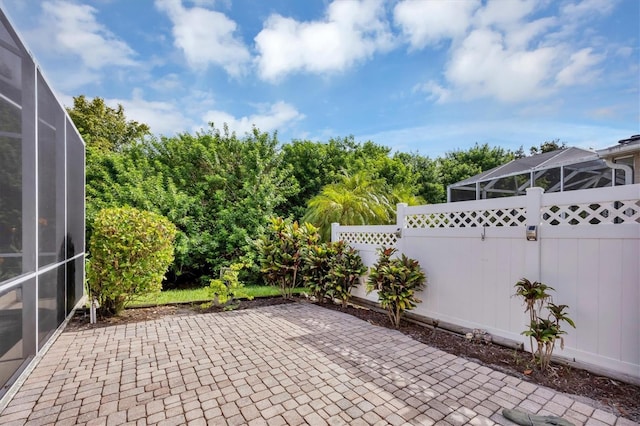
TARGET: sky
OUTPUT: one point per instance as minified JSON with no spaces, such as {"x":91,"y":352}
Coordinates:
{"x":425,"y":76}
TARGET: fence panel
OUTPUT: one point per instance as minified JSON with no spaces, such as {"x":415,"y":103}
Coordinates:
{"x":587,"y":248}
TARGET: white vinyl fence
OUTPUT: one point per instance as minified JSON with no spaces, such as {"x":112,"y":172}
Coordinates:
{"x":473,"y":252}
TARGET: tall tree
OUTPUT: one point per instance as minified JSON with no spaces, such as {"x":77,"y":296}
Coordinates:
{"x":104,"y":128}
{"x":426,"y":174}
{"x":235,"y":184}
{"x":357,"y":199}
{"x":461,"y":164}
{"x":110,"y":176}
{"x":547,"y":146}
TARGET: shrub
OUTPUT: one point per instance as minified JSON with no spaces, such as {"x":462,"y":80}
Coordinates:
{"x":318,"y":262}
{"x":130,"y":252}
{"x":397,"y":281}
{"x":545,"y":331}
{"x":225,"y":290}
{"x":345,"y":271}
{"x":281,"y":252}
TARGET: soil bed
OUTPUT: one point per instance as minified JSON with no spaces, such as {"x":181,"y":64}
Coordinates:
{"x":622,"y":398}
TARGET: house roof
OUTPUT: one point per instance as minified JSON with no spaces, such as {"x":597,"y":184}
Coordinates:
{"x":546,"y":160}
{"x":625,"y":146}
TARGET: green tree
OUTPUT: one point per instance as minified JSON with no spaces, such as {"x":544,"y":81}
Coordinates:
{"x":314,"y":165}
{"x":426,"y":174}
{"x":547,"y":146}
{"x":104,"y":128}
{"x":317,"y":164}
{"x":355,"y":200}
{"x":461,"y":164}
{"x":234,"y":185}
{"x":110,"y":174}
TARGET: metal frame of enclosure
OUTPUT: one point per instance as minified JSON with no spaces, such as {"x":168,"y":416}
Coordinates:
{"x":42,"y":245}
{"x":557,"y":171}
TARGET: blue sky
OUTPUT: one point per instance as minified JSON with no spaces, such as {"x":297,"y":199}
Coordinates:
{"x":428,"y":75}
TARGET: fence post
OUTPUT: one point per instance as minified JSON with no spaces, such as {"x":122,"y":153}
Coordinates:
{"x":334,"y":231}
{"x":400,"y":213}
{"x":533,"y":256}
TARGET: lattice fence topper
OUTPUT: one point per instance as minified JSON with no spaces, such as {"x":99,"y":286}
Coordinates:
{"x":466,"y":219}
{"x":624,"y":211}
{"x":375,"y":238}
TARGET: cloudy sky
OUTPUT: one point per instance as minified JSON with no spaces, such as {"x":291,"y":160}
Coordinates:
{"x":427,"y":75}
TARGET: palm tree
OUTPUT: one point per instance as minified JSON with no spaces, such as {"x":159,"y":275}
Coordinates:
{"x":355,"y":200}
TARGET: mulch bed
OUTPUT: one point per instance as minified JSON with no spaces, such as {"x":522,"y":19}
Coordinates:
{"x":622,"y":398}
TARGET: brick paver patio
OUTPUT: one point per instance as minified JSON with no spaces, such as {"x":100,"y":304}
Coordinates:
{"x":289,"y":364}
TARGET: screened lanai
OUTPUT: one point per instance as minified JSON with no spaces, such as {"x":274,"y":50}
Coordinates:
{"x":561,"y":170}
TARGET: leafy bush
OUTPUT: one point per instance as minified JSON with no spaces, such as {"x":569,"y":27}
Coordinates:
{"x":397,"y":281}
{"x":545,"y":331}
{"x":130,"y":252}
{"x":281,"y":253}
{"x":332,"y":270}
{"x":344,"y":274}
{"x":319,"y":260}
{"x":225,"y":290}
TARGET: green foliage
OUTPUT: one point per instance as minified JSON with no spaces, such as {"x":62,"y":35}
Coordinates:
{"x":104,"y":129}
{"x":130,"y":252}
{"x":319,"y":259}
{"x":534,"y":294}
{"x":545,"y":331}
{"x":459,"y":165}
{"x":357,"y":199}
{"x":233,"y":187}
{"x":217,"y":189}
{"x":220,"y":189}
{"x":314,"y":165}
{"x":224,"y":291}
{"x":425,"y":172}
{"x":332,"y":270}
{"x":345,"y":272}
{"x":547,"y":146}
{"x":396,"y":280}
{"x":282,"y":253}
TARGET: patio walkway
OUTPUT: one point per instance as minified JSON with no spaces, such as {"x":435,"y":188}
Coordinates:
{"x":288,"y":364}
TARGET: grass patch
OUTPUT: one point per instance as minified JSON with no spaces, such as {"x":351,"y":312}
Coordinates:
{"x":201,"y":295}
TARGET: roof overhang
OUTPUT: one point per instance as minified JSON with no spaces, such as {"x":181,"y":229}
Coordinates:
{"x":625,"y":147}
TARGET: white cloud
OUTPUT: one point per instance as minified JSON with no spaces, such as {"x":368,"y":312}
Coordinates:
{"x":580,"y":69}
{"x":73,"y":29}
{"x":162,"y":117}
{"x":501,"y":53}
{"x":270,"y":118}
{"x":482,"y":66}
{"x":350,"y":32}
{"x":504,"y":14}
{"x":434,"y":90}
{"x":169,"y":82}
{"x":429,"y":22}
{"x":587,"y":8}
{"x":206,"y":37}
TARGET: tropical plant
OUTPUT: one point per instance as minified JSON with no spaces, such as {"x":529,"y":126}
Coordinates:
{"x":282,"y":253}
{"x":345,"y":272}
{"x":130,"y":252}
{"x":319,"y":259}
{"x":545,"y":331}
{"x":355,"y":200}
{"x":396,"y":280}
{"x":224,"y":291}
